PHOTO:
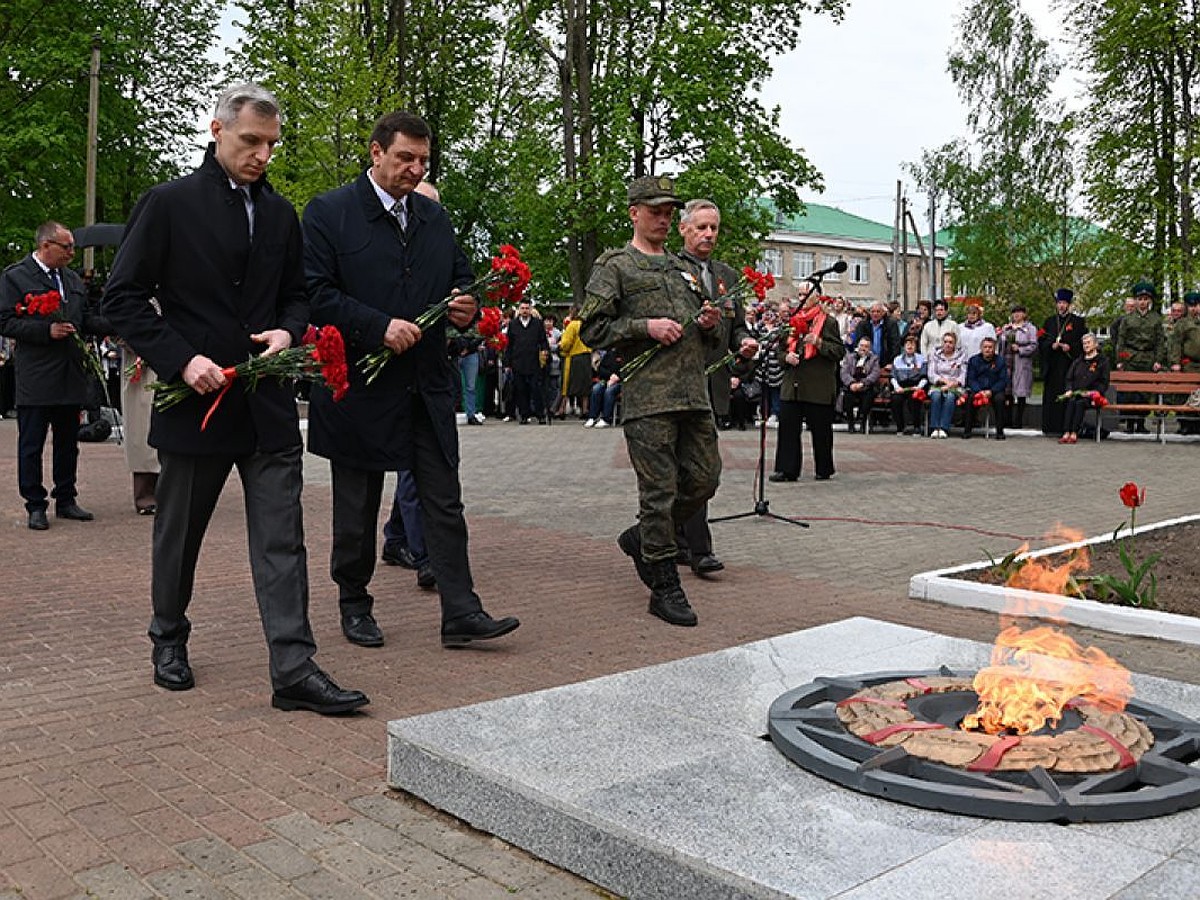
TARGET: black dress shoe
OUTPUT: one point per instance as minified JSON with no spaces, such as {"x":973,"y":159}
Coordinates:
{"x":38,"y":520}
{"x":318,"y":693}
{"x":171,"y":669}
{"x":780,"y":476}
{"x":1000,"y":436}
{"x":398,"y":556}
{"x":425,"y":578}
{"x":477,"y":626}
{"x":707,"y":564}
{"x":822,"y":477}
{"x":362,"y":630}
{"x":73,"y":511}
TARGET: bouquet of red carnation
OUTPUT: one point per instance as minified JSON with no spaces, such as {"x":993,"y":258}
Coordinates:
{"x":321,"y":357}
{"x":920,"y":395}
{"x":978,"y":400}
{"x":1096,"y":398}
{"x":505,"y":281}
{"x":49,"y":305}
{"x":751,"y":282}
{"x":1124,"y":355}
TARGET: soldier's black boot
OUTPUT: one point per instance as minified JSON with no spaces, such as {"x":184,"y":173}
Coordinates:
{"x":630,"y":542}
{"x":667,"y":599}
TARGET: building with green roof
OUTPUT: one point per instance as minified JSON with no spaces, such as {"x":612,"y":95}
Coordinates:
{"x":798,"y":245}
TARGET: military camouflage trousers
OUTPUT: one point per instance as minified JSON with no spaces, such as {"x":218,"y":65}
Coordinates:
{"x":678,"y":468}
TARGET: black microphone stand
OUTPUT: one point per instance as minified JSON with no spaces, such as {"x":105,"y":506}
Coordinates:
{"x":762,"y":506}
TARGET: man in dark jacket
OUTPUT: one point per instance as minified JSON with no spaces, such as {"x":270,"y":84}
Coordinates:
{"x":879,"y":330}
{"x":221,"y":253}
{"x":377,"y":255}
{"x":987,"y":377}
{"x":527,"y":342}
{"x":51,"y":376}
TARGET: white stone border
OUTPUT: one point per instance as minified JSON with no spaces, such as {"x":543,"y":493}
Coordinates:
{"x":939,"y":588}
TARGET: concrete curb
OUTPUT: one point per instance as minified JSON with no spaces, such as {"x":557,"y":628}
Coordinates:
{"x":940,"y":587}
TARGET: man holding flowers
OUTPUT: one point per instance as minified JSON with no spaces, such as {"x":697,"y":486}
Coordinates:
{"x":221,"y":253}
{"x":380,"y":259}
{"x":43,"y":306}
{"x":638,"y":298}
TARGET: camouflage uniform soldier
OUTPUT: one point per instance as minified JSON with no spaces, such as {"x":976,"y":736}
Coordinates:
{"x":1183,"y":353}
{"x":639,"y":296}
{"x":1140,"y":347}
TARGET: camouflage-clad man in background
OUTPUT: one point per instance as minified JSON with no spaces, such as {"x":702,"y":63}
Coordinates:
{"x":1140,"y":347}
{"x":1183,"y":353}
{"x":638,"y":296}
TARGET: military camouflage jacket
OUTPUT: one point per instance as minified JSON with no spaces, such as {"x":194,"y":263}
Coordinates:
{"x":1140,"y":342}
{"x":1185,"y":344}
{"x":625,"y":290}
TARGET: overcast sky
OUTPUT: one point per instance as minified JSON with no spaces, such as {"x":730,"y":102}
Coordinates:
{"x":866,"y":96}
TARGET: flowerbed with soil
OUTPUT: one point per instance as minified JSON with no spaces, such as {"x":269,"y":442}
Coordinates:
{"x":1177,"y":570}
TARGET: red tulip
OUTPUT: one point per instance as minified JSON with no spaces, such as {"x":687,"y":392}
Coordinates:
{"x":1132,"y":496}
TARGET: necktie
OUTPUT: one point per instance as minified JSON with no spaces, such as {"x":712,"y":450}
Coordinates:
{"x":401,"y":214}
{"x":248,"y":200}
{"x":57,"y":281}
{"x":707,"y":276}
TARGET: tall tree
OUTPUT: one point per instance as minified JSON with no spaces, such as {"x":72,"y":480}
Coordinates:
{"x":1006,"y":190}
{"x":154,"y":74}
{"x":1144,"y":62}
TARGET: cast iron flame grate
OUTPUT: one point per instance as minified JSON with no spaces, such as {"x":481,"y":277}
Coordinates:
{"x":804,"y":726}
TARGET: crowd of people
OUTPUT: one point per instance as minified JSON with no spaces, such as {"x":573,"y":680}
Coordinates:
{"x":216,"y":268}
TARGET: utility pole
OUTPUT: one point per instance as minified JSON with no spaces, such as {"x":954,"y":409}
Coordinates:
{"x":89,"y":198}
{"x":934,"y":287}
{"x":904,"y":251}
{"x":896,"y":223}
{"x":912,"y":223}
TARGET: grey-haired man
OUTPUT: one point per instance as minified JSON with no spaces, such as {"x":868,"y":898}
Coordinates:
{"x":222,"y":253}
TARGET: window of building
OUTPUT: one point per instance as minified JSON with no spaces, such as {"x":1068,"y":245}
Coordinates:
{"x":860,"y":270}
{"x":827,"y":260}
{"x":772,"y":261}
{"x":802,"y":265}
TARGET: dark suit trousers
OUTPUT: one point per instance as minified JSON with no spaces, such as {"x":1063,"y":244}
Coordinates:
{"x":789,"y":457}
{"x":187,"y":493}
{"x":356,"y":498}
{"x":33,"y":423}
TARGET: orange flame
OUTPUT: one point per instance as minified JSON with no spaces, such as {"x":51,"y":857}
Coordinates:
{"x":1035,"y":672}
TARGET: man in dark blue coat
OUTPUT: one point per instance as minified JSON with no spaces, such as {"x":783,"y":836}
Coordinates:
{"x":220,"y":255}
{"x":987,"y":377}
{"x":378,"y":254}
{"x":51,"y":376}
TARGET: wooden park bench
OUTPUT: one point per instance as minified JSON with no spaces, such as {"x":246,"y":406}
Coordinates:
{"x":1162,"y":387}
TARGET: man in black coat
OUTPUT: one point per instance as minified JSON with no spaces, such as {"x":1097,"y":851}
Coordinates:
{"x":527,"y":342}
{"x":221,"y":253}
{"x":377,"y":255}
{"x":881,"y":332}
{"x":1060,"y":343}
{"x":52,"y":378}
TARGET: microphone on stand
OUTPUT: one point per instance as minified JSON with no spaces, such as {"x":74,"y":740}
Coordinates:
{"x":839,"y":267}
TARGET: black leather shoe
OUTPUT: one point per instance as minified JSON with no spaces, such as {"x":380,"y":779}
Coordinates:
{"x":476,"y":627}
{"x":1000,"y":436}
{"x":73,"y":511}
{"x":362,"y":630}
{"x":38,"y":520}
{"x":425,"y":578}
{"x":966,"y":435}
{"x":171,"y":669}
{"x":822,"y":477}
{"x":780,"y":476}
{"x":707,"y":564}
{"x":398,"y":556}
{"x":318,"y":693}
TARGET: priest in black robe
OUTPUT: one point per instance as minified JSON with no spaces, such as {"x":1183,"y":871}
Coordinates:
{"x":1060,"y":342}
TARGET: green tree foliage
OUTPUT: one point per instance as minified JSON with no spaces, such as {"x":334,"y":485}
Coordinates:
{"x":1007,"y":190}
{"x":153,"y":76}
{"x":1143,"y":58}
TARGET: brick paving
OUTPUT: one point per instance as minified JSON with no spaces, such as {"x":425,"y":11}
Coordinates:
{"x":111,"y":787}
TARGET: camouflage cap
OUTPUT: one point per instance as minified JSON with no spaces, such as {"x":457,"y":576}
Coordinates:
{"x":653,"y":190}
